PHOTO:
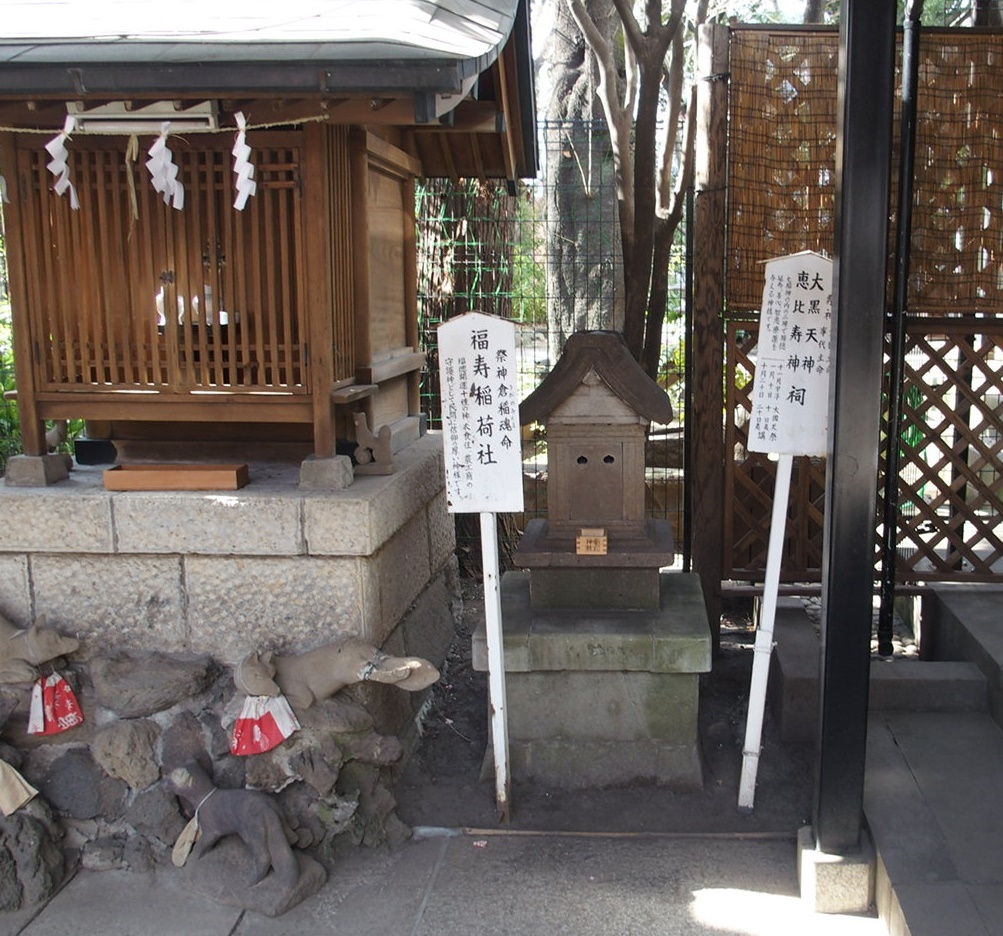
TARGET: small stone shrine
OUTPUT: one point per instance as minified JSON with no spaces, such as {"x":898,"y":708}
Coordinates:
{"x":603,"y":650}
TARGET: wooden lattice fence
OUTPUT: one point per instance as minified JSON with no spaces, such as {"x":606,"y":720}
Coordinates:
{"x":777,"y":124}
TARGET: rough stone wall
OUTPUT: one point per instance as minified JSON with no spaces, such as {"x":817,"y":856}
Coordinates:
{"x":104,"y":802}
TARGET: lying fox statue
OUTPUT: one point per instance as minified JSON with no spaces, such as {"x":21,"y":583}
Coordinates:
{"x":22,"y":649}
{"x":317,"y":674}
{"x":254,"y":817}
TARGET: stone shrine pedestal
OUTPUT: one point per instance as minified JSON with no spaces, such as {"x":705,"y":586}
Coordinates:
{"x":603,"y":696}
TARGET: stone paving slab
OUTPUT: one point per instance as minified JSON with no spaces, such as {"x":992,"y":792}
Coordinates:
{"x":957,"y":761}
{"x":942,"y":909}
{"x":119,"y":903}
{"x":988,"y":900}
{"x":932,"y":804}
{"x":371,"y":892}
{"x":549,"y":886}
{"x":912,"y":845}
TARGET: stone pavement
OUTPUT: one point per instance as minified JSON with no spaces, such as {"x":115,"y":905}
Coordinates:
{"x":932,"y":802}
{"x":489,"y":883}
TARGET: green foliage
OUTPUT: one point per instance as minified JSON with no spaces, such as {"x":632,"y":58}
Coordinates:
{"x":10,"y":425}
{"x":10,"y":422}
{"x":672,"y":375}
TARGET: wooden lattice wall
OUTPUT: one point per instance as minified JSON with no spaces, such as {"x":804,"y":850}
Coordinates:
{"x":128,"y":293}
{"x":282,"y":322}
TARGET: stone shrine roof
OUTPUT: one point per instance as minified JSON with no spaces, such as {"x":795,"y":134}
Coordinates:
{"x":607,"y":354}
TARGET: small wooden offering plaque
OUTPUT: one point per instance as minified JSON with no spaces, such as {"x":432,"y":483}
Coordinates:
{"x":176,"y":477}
{"x":591,"y":541}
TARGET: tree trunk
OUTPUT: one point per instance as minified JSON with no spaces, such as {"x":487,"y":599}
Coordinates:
{"x":631,"y":94}
{"x":814,"y":10}
{"x":584,"y":270}
{"x":987,"y":13}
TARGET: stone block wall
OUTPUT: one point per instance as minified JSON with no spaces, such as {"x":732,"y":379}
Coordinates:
{"x":221,"y":573}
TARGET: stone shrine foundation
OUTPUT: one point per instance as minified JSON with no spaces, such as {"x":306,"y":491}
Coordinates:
{"x":604,"y":696}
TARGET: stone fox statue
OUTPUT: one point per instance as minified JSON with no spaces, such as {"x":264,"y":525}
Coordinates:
{"x":252,"y":816}
{"x":22,"y":649}
{"x":313,"y":676}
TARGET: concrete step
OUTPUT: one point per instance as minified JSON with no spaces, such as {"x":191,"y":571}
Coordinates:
{"x":897,"y":685}
{"x":965,"y":623}
{"x":932,"y":804}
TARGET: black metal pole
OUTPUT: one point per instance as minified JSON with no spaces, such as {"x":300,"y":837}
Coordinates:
{"x":688,"y":389}
{"x":903,"y":236}
{"x":863,"y":157}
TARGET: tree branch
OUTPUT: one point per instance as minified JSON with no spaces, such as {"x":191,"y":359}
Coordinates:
{"x":673,"y":81}
{"x":606,"y":90}
{"x":631,"y":28}
{"x":618,"y":117}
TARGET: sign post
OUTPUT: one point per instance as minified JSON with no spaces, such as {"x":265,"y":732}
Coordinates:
{"x":790,"y":416}
{"x":483,"y":459}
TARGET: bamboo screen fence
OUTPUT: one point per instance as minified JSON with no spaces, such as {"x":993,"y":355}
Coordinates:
{"x":781,"y":191}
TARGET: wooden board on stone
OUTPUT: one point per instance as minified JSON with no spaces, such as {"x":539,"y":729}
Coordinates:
{"x":188,"y":477}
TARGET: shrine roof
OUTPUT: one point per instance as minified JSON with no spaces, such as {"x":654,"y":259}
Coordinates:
{"x":88,"y":31}
{"x":607,"y":354}
{"x":458,"y":73}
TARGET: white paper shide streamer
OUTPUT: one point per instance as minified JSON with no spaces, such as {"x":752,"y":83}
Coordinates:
{"x":242,"y":168}
{"x":57,"y":165}
{"x":163,"y":171}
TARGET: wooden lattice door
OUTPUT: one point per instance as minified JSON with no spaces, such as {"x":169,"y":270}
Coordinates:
{"x":129,"y":293}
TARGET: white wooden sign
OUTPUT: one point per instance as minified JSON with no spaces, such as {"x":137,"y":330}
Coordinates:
{"x":480,"y":414}
{"x":790,"y":405}
{"x":481,"y":441}
{"x":790,"y":416}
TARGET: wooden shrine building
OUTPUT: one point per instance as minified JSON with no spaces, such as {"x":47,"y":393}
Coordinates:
{"x":289,"y":320}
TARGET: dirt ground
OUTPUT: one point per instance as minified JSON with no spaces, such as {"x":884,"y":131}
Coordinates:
{"x":441,"y":785}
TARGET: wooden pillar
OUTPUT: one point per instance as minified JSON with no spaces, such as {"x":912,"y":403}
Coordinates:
{"x":360,"y":242}
{"x":317,"y":190}
{"x":863,"y":156}
{"x":706,"y":479}
{"x":25,"y":361}
{"x":411,"y":294}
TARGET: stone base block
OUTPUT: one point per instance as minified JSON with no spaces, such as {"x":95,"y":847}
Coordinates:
{"x":673,"y":638}
{"x":583,"y":588}
{"x":835,"y":883}
{"x":37,"y":470}
{"x":578,"y":765}
{"x":326,"y":474}
{"x":601,"y":706}
{"x":600,"y":696}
